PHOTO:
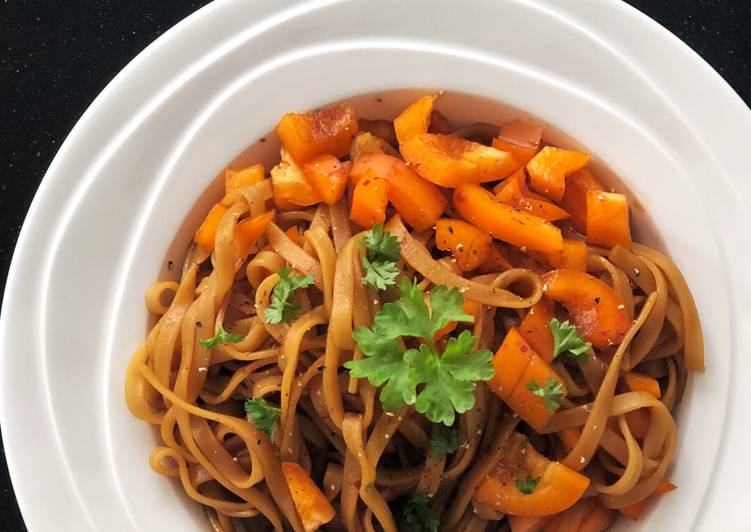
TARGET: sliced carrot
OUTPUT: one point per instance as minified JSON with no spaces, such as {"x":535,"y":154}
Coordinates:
{"x":574,"y":199}
{"x":469,"y":245}
{"x":206,"y":233}
{"x":639,"y":382}
{"x":415,"y":119}
{"x":535,"y":329}
{"x":595,"y":309}
{"x":549,"y":168}
{"x":479,"y":207}
{"x":448,"y":160}
{"x":513,"y":191}
{"x":328,"y":177}
{"x":306,"y":135}
{"x":572,"y":256}
{"x":598,"y":520}
{"x":521,"y":138}
{"x":290,"y":185}
{"x":607,"y":219}
{"x":244,"y":177}
{"x":636,"y":511}
{"x":418,"y":201}
{"x":496,"y":261}
{"x":558,"y":488}
{"x":311,"y":504}
{"x":369,"y":202}
{"x":248,"y":231}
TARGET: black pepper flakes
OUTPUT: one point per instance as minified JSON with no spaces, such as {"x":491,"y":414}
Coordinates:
{"x":597,"y":300}
{"x":199,"y":324}
{"x":170,"y":265}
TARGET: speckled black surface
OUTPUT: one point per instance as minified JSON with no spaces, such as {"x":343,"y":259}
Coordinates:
{"x":57,"y":55}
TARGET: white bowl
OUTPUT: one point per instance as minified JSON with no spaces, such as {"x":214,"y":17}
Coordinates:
{"x":129,"y":176}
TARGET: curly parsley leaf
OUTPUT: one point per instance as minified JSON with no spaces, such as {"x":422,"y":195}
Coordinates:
{"x":221,"y":337}
{"x":551,"y":392}
{"x":567,"y":340}
{"x":449,"y":377}
{"x":527,"y":484}
{"x":263,"y":415}
{"x":380,"y":253}
{"x":283,"y":307}
{"x":443,"y":440}
{"x":384,"y":363}
{"x":415,"y":515}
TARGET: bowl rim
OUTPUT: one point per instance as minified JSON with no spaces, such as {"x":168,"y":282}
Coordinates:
{"x":719,"y":138}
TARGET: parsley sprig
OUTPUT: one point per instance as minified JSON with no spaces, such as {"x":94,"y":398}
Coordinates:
{"x":221,"y":337}
{"x":449,"y":378}
{"x":379,"y":255}
{"x":283,"y":307}
{"x":415,"y":515}
{"x":567,"y":340}
{"x":551,"y":392}
{"x":263,"y":415}
{"x":443,"y":440}
{"x":527,"y":484}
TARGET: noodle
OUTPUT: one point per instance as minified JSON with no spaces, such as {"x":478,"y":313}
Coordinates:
{"x":270,"y":322}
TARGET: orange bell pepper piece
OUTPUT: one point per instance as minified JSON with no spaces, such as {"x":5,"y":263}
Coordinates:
{"x":328,"y":177}
{"x":558,"y":488}
{"x":521,"y":138}
{"x":311,"y":504}
{"x":516,"y":364}
{"x":246,"y":234}
{"x":535,"y":329}
{"x":549,"y":168}
{"x":636,"y":511}
{"x":595,"y":309}
{"x":290,"y":185}
{"x":607,"y":219}
{"x":369,"y":202}
{"x":306,"y":135}
{"x":248,"y":231}
{"x":482,"y":209}
{"x":449,"y":161}
{"x":513,"y":191}
{"x":639,"y":382}
{"x":574,"y":199}
{"x":446,"y":160}
{"x":371,"y":165}
{"x":572,"y":256}
{"x":244,"y":177}
{"x":415,"y":119}
{"x":206,"y":233}
{"x":469,"y":245}
{"x":418,"y":201}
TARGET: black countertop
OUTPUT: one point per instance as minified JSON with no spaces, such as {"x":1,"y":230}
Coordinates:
{"x":56,"y":56}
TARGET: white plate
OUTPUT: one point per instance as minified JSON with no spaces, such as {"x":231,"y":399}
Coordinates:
{"x":132,"y":169}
